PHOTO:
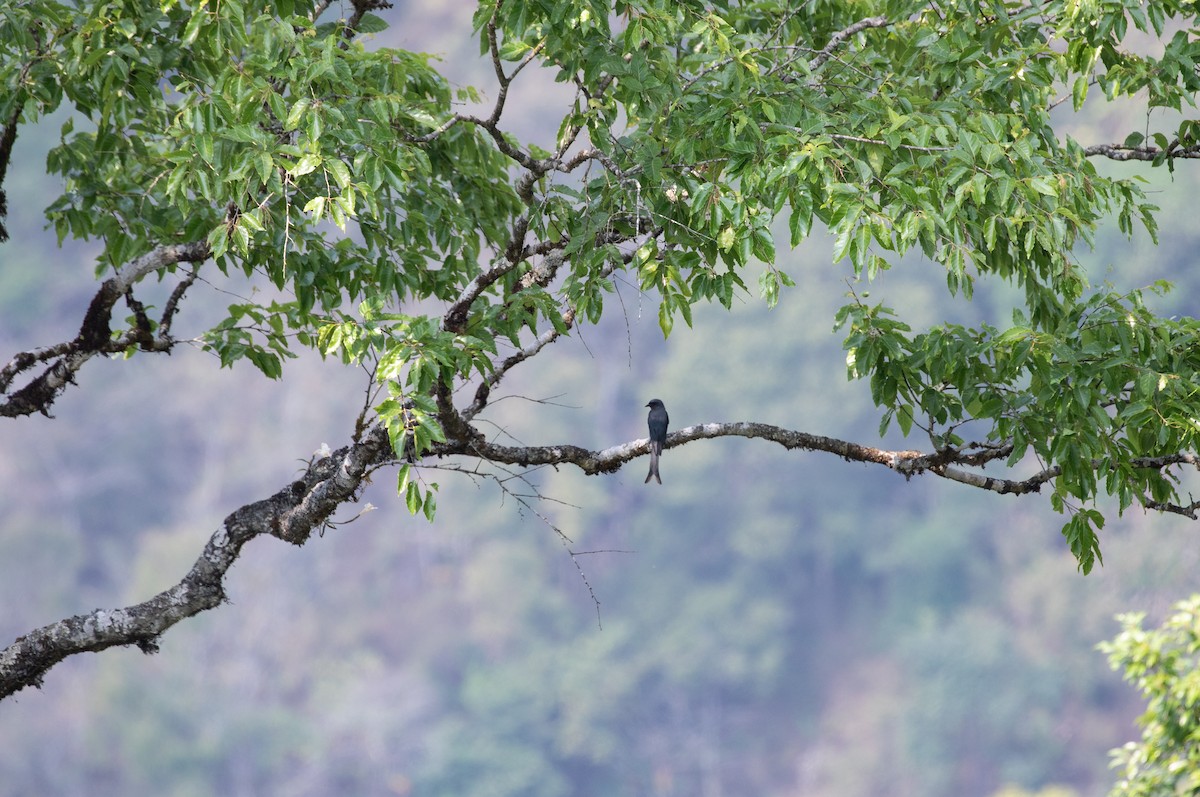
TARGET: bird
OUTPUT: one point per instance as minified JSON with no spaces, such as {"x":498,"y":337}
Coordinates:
{"x":657,"y":421}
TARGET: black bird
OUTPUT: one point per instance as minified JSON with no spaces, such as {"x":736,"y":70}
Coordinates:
{"x":657,"y":421}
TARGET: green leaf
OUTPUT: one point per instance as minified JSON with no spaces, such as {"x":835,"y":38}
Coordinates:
{"x":1079,"y":91}
{"x":297,"y":112}
{"x":1042,"y":186}
{"x":371,"y":23}
{"x":306,"y":165}
{"x":316,"y":206}
{"x":665,"y":319}
{"x":412,"y":498}
{"x":192,"y":29}
{"x":430,"y":506}
{"x":341,"y":174}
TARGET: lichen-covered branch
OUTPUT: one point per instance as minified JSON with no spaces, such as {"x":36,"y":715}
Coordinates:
{"x":302,"y":506}
{"x":95,"y":334}
{"x":1119,"y":152}
{"x":291,"y":515}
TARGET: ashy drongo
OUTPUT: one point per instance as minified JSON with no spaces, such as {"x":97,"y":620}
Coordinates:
{"x":657,"y":421}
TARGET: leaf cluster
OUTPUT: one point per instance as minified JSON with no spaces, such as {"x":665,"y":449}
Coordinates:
{"x":1162,"y":664}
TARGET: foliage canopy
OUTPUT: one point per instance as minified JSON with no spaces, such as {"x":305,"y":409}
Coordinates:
{"x":1162,"y":663}
{"x":405,"y":227}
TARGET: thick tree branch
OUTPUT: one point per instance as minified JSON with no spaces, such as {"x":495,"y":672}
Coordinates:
{"x":8,"y":133}
{"x":95,"y":334}
{"x":455,"y":317}
{"x":302,"y":506}
{"x":8,"y":137}
{"x":290,"y":515}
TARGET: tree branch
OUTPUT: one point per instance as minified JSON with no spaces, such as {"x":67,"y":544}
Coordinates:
{"x":290,"y":515}
{"x":8,"y":134}
{"x":836,"y":40}
{"x":95,"y":334}
{"x":611,"y":459}
{"x":1186,"y":510}
{"x":8,"y":137}
{"x":1119,"y":152}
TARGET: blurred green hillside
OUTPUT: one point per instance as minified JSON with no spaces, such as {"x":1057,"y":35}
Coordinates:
{"x":765,"y":623}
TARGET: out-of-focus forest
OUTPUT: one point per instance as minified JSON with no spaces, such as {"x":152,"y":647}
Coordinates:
{"x":766,"y":622}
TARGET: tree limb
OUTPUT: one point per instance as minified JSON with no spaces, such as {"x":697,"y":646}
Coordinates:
{"x":8,"y":133}
{"x":292,"y":513}
{"x":95,"y":334}
{"x":8,"y":137}
{"x":836,"y":40}
{"x":611,"y":459}
{"x":1119,"y":152}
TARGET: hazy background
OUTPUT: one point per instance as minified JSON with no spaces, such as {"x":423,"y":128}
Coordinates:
{"x":776,"y":623}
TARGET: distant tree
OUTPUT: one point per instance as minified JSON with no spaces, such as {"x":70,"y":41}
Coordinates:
{"x":1163,"y":664}
{"x":405,"y":228}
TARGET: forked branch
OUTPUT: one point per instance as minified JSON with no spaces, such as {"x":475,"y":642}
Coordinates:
{"x":95,"y":334}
